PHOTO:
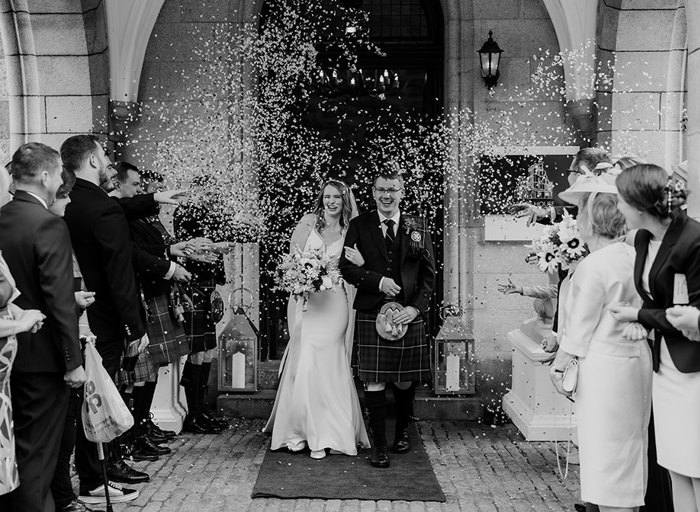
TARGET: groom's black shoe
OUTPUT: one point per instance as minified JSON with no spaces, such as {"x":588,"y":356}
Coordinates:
{"x":402,"y":443}
{"x":379,"y":457}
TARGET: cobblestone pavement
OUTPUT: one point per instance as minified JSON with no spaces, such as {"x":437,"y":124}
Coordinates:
{"x":480,"y":468}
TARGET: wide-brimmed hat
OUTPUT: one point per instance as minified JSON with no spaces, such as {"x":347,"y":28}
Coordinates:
{"x":601,"y":184}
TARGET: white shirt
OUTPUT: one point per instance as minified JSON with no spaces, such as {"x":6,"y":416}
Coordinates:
{"x":382,"y":218}
{"x":41,"y":199}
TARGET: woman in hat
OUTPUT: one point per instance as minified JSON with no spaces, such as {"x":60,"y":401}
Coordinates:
{"x":613,"y":391}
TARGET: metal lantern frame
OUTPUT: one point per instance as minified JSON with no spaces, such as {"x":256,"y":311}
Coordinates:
{"x":490,"y":57}
{"x":239,"y":337}
{"x":453,"y":356}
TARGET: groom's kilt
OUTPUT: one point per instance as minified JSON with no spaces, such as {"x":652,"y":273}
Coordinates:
{"x":380,"y":360}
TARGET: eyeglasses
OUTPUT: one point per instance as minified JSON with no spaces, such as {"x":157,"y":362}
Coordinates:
{"x":575,"y":171}
{"x":382,"y":191}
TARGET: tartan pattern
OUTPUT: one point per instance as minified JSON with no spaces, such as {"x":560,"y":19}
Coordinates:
{"x":200,"y":328}
{"x":166,"y":335}
{"x":380,"y":360}
{"x":145,"y":370}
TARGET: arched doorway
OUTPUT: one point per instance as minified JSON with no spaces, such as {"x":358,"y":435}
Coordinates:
{"x":352,"y":119}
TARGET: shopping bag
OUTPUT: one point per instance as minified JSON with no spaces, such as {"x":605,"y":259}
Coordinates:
{"x":105,"y":415}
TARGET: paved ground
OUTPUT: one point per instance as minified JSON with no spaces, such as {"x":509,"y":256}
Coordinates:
{"x":480,"y":468}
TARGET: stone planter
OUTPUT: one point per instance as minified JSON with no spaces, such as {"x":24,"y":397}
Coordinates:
{"x":539,"y":412}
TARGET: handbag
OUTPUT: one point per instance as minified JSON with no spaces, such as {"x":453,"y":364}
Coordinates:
{"x":570,"y":376}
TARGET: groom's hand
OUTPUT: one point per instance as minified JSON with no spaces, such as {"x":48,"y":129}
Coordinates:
{"x":406,"y":315}
{"x":389,"y":287}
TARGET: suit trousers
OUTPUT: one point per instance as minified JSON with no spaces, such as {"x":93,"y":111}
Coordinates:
{"x":61,"y":486}
{"x":39,"y":405}
{"x":87,"y":464}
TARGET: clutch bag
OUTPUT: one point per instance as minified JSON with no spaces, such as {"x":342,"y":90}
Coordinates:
{"x":570,"y":377}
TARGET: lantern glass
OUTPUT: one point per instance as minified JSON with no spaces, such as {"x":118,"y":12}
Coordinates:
{"x":238,"y":357}
{"x":453,"y":367}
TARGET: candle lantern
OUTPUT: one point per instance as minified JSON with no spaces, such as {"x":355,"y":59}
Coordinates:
{"x":238,"y":352}
{"x":453,"y":357}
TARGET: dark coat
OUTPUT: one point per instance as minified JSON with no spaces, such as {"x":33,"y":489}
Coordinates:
{"x":417,"y":272}
{"x":679,"y":254}
{"x":36,"y":246}
{"x":149,"y":240}
{"x":103,"y":247}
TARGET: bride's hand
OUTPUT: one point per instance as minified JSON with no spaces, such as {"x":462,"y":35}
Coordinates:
{"x":354,"y":256}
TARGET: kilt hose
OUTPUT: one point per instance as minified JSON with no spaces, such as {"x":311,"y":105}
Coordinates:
{"x":161,"y":327}
{"x":200,"y":324}
{"x":406,"y":359}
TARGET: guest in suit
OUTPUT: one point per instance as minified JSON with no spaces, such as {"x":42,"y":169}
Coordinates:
{"x":13,"y":321}
{"x":666,"y":272}
{"x":399,"y":267}
{"x":613,"y":392}
{"x":36,"y":245}
{"x":102,"y":245}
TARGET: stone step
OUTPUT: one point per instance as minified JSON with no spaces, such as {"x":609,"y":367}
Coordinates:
{"x":427,"y":406}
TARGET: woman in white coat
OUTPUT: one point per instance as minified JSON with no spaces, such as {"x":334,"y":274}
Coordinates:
{"x":613,"y":393}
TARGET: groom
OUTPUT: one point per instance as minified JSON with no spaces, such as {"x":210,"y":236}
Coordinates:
{"x":399,"y":267}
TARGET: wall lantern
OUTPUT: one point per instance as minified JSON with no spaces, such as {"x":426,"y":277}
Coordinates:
{"x":238,"y":352}
{"x":453,"y":357}
{"x":490,"y":56}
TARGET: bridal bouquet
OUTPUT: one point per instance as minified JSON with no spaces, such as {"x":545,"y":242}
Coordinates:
{"x":559,"y":247}
{"x":304,"y":273}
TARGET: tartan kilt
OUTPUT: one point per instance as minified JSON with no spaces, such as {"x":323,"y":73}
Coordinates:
{"x":161,"y":324}
{"x":145,"y":370}
{"x":200,"y":328}
{"x":380,"y":360}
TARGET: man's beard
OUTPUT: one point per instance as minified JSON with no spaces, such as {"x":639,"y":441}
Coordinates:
{"x":106,"y":183}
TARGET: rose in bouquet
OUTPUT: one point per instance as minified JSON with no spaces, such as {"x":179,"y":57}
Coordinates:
{"x":559,"y":247}
{"x":304,"y":273}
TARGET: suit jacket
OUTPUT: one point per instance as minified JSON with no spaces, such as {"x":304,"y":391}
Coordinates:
{"x":679,"y":254}
{"x":148,"y":261}
{"x":103,"y":248}
{"x":148,"y":239}
{"x":417,"y":273}
{"x":36,"y":246}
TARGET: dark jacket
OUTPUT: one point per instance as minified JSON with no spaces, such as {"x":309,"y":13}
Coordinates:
{"x":102,"y":244}
{"x":416,"y":273}
{"x":36,"y":246}
{"x":679,"y":254}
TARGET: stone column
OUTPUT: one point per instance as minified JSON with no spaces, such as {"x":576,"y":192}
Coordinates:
{"x":121,"y":115}
{"x":693,"y":106}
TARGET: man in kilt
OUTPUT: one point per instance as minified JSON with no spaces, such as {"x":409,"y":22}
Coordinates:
{"x":399,"y":267}
{"x":156,"y":271}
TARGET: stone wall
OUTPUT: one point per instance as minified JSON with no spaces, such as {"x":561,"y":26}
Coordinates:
{"x":646,"y":41}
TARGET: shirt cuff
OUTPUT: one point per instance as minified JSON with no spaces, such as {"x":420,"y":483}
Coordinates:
{"x":381,"y":281}
{"x":171,"y":271}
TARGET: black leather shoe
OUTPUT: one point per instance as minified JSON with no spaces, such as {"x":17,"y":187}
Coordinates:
{"x":158,"y":439}
{"x":379,"y":457}
{"x":121,"y":472}
{"x":217,"y":421}
{"x":402,"y":443}
{"x":196,"y":426}
{"x":76,"y":506}
{"x":209,"y":425}
{"x":156,"y":430}
{"x":143,"y":444}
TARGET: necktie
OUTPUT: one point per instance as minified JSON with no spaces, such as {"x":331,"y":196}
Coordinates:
{"x":389,"y":235}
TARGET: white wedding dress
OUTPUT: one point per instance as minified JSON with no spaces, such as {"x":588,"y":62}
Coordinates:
{"x":316,"y":400}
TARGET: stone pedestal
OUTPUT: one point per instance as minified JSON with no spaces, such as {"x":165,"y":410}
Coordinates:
{"x":533,"y":405}
{"x":169,"y":405}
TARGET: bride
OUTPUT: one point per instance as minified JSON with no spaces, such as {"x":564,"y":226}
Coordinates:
{"x":317,"y":404}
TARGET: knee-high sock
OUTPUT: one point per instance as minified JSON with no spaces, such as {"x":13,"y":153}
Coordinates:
{"x":204,"y":386}
{"x":143,"y":399}
{"x":375,"y":402}
{"x":403,"y":399}
{"x":191,"y":385}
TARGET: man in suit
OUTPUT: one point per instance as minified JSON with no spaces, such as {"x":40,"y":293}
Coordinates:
{"x":36,"y":245}
{"x":102,"y":245}
{"x":399,"y":267}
